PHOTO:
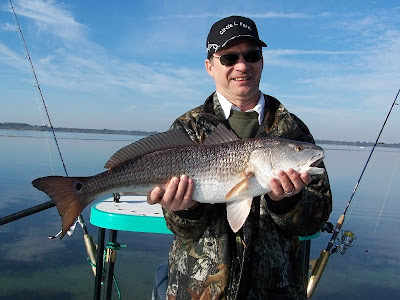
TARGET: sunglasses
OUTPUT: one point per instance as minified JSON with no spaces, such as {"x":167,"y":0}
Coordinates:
{"x":230,"y":59}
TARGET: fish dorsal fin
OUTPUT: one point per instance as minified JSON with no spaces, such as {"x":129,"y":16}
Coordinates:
{"x":156,"y":142}
{"x":220,"y":135}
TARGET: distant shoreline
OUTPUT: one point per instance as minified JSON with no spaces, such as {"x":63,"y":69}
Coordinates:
{"x":28,"y":127}
{"x":24,"y":126}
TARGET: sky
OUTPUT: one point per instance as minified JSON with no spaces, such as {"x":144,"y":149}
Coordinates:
{"x":138,"y":65}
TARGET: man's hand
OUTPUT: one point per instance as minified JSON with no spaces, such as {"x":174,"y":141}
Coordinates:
{"x":175,"y":195}
{"x":290,"y":183}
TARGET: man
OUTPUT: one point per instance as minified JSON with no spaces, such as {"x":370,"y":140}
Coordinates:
{"x":262,"y":260}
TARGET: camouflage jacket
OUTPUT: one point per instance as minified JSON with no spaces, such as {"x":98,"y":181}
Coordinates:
{"x":208,"y":261}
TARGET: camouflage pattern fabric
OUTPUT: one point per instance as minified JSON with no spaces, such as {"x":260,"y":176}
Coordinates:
{"x":262,"y":261}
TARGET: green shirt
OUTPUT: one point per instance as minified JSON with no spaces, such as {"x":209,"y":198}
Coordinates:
{"x":244,"y":124}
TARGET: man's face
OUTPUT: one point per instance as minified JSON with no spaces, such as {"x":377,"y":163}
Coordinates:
{"x":239,"y":82}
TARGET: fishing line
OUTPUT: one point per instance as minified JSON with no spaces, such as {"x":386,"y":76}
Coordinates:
{"x":387,"y":193}
{"x":347,"y":237}
{"x":17,"y":27}
{"x":369,"y":157}
{"x":350,"y":213}
{"x":36,"y":84}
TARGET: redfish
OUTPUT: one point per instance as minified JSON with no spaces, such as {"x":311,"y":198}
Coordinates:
{"x":224,"y":168}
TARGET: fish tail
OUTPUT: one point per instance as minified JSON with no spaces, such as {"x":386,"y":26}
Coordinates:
{"x":66,"y":193}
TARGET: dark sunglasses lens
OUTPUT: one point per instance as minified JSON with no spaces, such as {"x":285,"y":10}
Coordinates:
{"x":252,"y":56}
{"x":229,"y":59}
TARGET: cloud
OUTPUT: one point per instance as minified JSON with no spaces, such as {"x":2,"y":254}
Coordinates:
{"x":158,"y":80}
{"x":94,"y":74}
{"x":11,"y":58}
{"x":8,"y":27}
{"x":274,"y":15}
{"x":350,"y":62}
{"x":301,"y":64}
{"x":87,"y":66}
{"x":366,"y":74}
{"x":280,"y":52}
{"x":266,"y":15}
{"x":51,"y":17}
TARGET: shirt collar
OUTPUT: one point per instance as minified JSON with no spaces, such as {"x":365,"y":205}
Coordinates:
{"x":227,"y":106}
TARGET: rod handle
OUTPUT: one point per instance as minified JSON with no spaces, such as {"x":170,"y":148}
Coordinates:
{"x":91,"y":250}
{"x":316,"y":272}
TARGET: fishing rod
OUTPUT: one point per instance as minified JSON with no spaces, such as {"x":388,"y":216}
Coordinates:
{"x":90,"y":247}
{"x":347,"y":239}
{"x":49,"y":204}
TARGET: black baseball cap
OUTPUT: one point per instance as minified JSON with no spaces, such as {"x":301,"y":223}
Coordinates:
{"x":229,"y":29}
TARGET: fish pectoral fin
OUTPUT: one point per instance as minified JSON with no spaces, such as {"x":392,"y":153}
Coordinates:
{"x":237,"y":213}
{"x":240,"y":187}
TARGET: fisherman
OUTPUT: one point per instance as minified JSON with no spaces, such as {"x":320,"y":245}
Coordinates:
{"x":262,"y":260}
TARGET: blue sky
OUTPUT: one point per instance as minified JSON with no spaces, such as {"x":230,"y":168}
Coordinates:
{"x":140,"y":64}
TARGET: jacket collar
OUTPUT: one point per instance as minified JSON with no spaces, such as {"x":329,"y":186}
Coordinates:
{"x":274,"y":111}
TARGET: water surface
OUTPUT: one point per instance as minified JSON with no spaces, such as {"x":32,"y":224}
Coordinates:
{"x":34,"y":267}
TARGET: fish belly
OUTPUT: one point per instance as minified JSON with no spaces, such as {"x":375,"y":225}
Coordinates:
{"x":215,"y":191}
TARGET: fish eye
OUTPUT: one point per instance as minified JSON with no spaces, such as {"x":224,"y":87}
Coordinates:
{"x":78,"y":186}
{"x":298,"y":148}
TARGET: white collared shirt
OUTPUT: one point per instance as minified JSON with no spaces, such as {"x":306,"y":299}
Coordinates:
{"x":227,"y":106}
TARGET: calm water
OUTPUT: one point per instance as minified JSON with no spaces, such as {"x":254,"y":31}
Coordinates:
{"x":34,"y":267}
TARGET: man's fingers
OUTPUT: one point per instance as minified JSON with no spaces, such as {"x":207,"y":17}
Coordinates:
{"x":154,"y":196}
{"x":296,"y":182}
{"x":286,"y":181}
{"x":187,"y":201}
{"x":179,"y":193}
{"x":289,"y":183}
{"x":306,"y":178}
{"x":175,"y":195}
{"x":276,"y":187}
{"x":169,"y":193}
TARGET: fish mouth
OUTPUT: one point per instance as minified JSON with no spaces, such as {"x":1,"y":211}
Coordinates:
{"x":316,"y":161}
{"x":310,"y":166}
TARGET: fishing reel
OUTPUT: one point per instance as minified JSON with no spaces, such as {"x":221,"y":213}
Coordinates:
{"x":344,"y":240}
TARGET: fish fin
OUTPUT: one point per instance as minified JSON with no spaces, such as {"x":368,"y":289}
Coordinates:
{"x":237,"y":213}
{"x":156,"y":142}
{"x":219,"y":135}
{"x":240,"y":187}
{"x":64,"y":192}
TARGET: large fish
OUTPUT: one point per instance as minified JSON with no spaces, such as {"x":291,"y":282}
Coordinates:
{"x":225,"y":169}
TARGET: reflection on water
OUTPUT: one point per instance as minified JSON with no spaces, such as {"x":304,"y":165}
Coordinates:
{"x":34,"y":267}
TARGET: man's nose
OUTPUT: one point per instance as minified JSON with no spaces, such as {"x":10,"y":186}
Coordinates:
{"x":241,"y":64}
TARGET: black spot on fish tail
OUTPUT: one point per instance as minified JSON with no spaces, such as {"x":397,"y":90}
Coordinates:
{"x":66,"y":194}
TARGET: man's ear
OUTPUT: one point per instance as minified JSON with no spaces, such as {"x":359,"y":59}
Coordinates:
{"x":209,"y":67}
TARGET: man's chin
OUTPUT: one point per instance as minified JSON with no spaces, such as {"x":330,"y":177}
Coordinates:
{"x":247,"y":92}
